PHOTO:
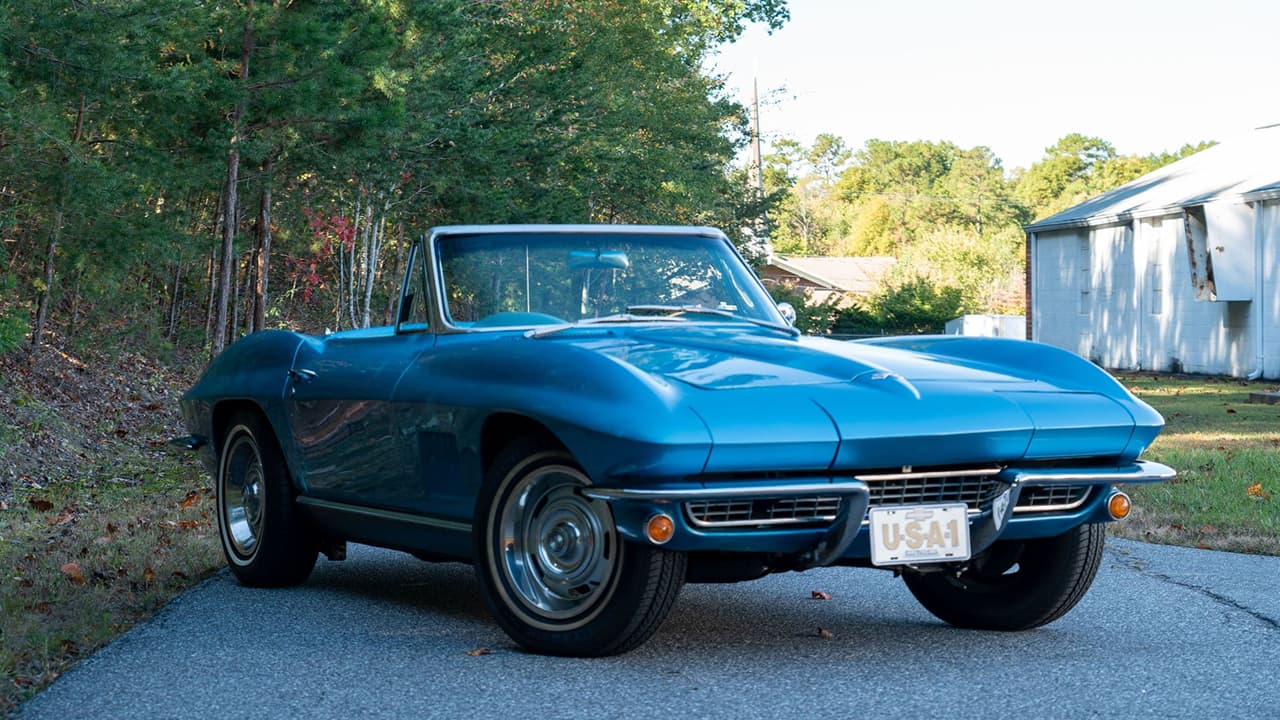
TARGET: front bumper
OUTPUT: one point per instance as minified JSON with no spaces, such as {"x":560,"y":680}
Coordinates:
{"x":844,"y":533}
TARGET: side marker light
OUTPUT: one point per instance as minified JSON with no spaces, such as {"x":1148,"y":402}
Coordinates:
{"x":660,"y":528}
{"x":1119,"y":505}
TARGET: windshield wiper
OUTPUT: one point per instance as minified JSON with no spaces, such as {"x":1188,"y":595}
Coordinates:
{"x":677,"y":310}
{"x":661,"y":313}
{"x":626,"y":317}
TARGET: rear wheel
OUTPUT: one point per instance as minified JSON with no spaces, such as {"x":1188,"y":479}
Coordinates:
{"x":1017,"y":584}
{"x":266,"y":541}
{"x":556,"y":574}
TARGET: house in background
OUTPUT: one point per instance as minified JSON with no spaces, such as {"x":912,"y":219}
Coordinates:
{"x":822,"y":277}
{"x":1178,"y":270}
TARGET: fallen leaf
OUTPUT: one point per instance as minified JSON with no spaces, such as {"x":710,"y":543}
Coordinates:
{"x":478,"y":652}
{"x":148,"y":574}
{"x":191,"y":500}
{"x":820,"y":595}
{"x":1230,"y":411}
{"x":4,"y":505}
{"x":825,"y":634}
{"x":189,"y":524}
{"x":112,"y":528}
{"x":73,"y":572}
{"x":63,"y":517}
{"x":44,"y":607}
{"x":40,"y":504}
{"x":23,"y":681}
{"x":69,"y":647}
{"x":1255,"y":491}
{"x":1209,"y":530}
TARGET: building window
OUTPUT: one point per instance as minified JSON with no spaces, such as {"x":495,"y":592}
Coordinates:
{"x":1086,"y":275}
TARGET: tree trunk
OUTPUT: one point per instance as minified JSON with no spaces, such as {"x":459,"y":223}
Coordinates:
{"x":55,"y":234}
{"x":211,"y":277}
{"x":262,"y":251}
{"x":230,"y":205}
{"x":171,"y":328}
{"x":393,"y":297}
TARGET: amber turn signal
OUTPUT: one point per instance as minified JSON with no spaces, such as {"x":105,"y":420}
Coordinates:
{"x":1119,"y":505}
{"x":660,"y":528}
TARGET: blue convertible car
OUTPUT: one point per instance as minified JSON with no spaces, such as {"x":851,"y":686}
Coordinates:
{"x":595,"y":415}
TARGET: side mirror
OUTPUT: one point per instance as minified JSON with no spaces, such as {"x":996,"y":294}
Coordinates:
{"x":788,"y":313}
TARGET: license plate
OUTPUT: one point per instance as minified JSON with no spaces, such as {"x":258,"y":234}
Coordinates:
{"x":919,"y":534}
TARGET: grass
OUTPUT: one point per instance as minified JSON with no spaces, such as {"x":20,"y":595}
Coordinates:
{"x":84,"y":561}
{"x":1227,"y":453}
{"x":99,"y":525}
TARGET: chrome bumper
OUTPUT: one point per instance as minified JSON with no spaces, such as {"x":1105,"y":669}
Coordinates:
{"x":854,"y":496}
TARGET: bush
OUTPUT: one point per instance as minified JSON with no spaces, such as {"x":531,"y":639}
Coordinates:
{"x":917,"y":307}
{"x":13,"y":332}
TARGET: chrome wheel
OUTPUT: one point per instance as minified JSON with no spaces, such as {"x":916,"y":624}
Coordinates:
{"x":241,"y":498}
{"x":553,"y":568}
{"x":266,"y":541}
{"x":559,"y":550}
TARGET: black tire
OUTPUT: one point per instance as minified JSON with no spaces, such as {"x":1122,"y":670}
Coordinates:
{"x":1017,"y":584}
{"x":264,"y":537}
{"x":554,"y":571}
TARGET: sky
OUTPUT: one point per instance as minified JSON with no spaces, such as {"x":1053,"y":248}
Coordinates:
{"x":1013,"y":75}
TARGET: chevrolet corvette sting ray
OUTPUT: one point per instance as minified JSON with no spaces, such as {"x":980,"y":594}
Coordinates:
{"x":594,"y":415}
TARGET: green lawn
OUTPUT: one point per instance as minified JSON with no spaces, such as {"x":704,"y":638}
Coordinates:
{"x":1227,"y":453}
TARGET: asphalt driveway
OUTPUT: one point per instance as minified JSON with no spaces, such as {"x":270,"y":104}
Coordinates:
{"x":1165,"y":632}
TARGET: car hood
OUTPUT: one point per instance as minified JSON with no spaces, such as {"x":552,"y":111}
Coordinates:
{"x":713,"y":360}
{"x":791,"y":403}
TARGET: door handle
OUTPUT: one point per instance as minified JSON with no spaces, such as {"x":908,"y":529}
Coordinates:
{"x":302,"y":375}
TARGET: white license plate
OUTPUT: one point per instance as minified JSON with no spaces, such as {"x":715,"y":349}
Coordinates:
{"x":919,"y":534}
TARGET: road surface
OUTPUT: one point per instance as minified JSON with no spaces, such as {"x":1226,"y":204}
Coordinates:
{"x":1165,"y":632}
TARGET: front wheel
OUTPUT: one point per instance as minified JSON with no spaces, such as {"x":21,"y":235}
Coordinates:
{"x":266,"y":541}
{"x":555,"y":573}
{"x":1017,"y":584}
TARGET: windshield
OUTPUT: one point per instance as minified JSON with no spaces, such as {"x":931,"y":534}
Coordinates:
{"x":522,"y":279}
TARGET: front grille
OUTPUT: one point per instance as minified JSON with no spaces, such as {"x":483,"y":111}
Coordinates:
{"x":974,"y":488}
{"x":768,"y":511}
{"x":1045,"y":498}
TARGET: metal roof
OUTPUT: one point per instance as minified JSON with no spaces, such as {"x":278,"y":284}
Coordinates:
{"x":1244,"y":168}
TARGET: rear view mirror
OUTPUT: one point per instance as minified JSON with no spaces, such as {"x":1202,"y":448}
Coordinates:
{"x":598,"y":259}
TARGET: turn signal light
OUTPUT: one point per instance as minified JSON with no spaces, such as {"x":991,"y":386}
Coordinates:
{"x":660,"y":528}
{"x":1119,"y":505}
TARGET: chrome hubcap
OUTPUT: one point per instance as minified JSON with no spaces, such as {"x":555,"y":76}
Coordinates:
{"x":558,"y":548}
{"x":241,"y":497}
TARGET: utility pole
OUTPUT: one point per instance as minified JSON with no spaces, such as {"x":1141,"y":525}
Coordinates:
{"x":755,"y":172}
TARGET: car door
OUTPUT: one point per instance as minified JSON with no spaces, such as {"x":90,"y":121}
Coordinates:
{"x":341,"y":413}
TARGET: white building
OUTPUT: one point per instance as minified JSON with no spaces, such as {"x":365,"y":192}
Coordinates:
{"x":1178,"y":270}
